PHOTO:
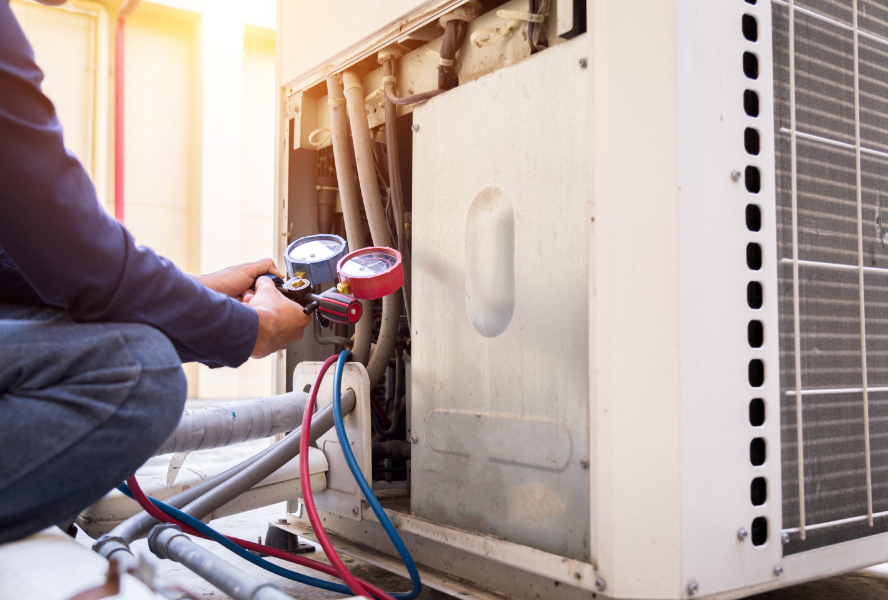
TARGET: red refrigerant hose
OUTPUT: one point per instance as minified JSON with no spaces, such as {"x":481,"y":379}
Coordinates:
{"x":119,"y":116}
{"x":353,"y":583}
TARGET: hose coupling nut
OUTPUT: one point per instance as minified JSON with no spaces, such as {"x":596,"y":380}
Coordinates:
{"x":108,"y":544}
{"x":160,"y":537}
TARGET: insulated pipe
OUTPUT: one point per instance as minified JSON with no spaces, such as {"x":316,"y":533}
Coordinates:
{"x":281,"y":454}
{"x":394,"y":169}
{"x":138,"y":525}
{"x":119,"y":121}
{"x":391,"y":449}
{"x":391,"y":304}
{"x":231,"y":424}
{"x":351,"y":206}
{"x":326,"y":203}
{"x":168,"y":541}
{"x":360,"y":128}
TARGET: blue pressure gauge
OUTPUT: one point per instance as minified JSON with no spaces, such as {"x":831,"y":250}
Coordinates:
{"x":315,"y":256}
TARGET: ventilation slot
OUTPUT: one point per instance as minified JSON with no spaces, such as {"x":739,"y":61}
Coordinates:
{"x":751,"y":103}
{"x":756,"y":373}
{"x":753,"y":180}
{"x":755,"y":333}
{"x":759,"y":531}
{"x":757,"y":412}
{"x":758,"y":491}
{"x":754,"y":296}
{"x":757,"y":452}
{"x":751,"y":141}
{"x":753,"y":217}
{"x":750,"y":65}
{"x":753,"y":256}
{"x":750,"y":28}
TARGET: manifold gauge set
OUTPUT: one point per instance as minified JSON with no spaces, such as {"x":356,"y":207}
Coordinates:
{"x":364,"y":274}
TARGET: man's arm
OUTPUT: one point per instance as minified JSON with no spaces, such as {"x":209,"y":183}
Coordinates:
{"x":72,"y":253}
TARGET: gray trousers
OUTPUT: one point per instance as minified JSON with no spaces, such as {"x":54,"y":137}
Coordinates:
{"x":82,"y":406}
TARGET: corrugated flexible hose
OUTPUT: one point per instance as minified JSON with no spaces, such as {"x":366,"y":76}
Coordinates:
{"x":351,"y":206}
{"x":391,"y":304}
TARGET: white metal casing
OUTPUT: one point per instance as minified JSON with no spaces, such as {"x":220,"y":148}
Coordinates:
{"x":342,"y":495}
{"x":664,"y":260}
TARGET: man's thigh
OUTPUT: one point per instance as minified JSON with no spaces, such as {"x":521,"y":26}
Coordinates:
{"x":81,"y":406}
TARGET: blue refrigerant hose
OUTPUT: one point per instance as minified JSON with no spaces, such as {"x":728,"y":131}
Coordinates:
{"x":365,"y":487}
{"x":214,"y":535}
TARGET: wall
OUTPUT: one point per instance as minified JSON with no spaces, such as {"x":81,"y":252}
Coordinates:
{"x":199,"y":136}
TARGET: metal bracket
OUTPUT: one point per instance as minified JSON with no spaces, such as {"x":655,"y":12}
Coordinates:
{"x":342,"y":496}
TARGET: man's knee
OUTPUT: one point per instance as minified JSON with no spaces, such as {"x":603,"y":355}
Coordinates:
{"x":156,"y":403}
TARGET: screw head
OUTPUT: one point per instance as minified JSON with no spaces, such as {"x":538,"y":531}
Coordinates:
{"x":784,"y":537}
{"x":415,"y":127}
{"x":742,"y":534}
{"x":778,"y":570}
{"x":692,"y":588}
{"x":584,"y":462}
{"x":355,"y":511}
{"x":736,"y":175}
{"x":584,"y":63}
{"x":600,"y":585}
{"x":414,"y":439}
{"x":283,"y":521}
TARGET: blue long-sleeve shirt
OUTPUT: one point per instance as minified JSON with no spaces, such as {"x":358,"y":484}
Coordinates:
{"x":58,"y":246}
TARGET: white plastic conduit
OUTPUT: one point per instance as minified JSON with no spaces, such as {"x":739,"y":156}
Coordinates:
{"x":391,"y":304}
{"x":351,"y":206}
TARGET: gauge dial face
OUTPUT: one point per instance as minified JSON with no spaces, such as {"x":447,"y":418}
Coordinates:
{"x":369,"y":264}
{"x":315,"y":251}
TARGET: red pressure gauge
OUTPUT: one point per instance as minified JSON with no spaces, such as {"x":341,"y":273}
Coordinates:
{"x":371,"y":273}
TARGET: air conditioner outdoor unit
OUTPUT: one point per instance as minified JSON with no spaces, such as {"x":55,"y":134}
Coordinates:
{"x":649,"y":340}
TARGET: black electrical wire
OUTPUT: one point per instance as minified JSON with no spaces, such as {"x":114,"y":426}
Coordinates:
{"x":537,"y":34}
{"x":454,"y":36}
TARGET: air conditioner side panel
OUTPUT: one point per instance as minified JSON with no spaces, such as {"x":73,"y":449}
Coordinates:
{"x":717,"y":473}
{"x":634,"y":355}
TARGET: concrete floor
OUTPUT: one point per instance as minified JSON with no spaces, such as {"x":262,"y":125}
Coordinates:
{"x":869,"y":584}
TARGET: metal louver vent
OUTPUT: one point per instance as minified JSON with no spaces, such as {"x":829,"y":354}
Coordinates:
{"x":831,"y":132}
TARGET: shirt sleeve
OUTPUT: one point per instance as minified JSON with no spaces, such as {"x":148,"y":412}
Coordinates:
{"x":71,"y":252}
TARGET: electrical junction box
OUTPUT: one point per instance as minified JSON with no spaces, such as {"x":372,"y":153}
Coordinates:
{"x":647,"y":352}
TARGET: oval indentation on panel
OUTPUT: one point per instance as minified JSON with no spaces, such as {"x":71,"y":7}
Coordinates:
{"x":490,"y":262}
{"x":540,"y":442}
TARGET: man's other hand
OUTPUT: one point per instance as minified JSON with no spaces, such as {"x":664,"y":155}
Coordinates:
{"x":281,"y":321}
{"x":236,"y":281}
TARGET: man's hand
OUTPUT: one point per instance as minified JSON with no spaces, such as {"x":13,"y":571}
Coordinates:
{"x":236,"y":281}
{"x":281,"y":321}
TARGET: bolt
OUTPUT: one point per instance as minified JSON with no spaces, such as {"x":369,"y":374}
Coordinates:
{"x":692,"y":588}
{"x":736,"y":175}
{"x":583,"y":63}
{"x":414,"y":440}
{"x":355,"y":511}
{"x":741,"y":534}
{"x":578,"y":576}
{"x":584,"y":462}
{"x":283,"y":521}
{"x":778,"y":570}
{"x":784,"y":537}
{"x":415,"y":127}
{"x":600,"y":585}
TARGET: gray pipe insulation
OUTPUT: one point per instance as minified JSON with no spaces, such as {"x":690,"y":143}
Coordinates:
{"x":230,"y":424}
{"x":168,"y":541}
{"x":281,"y":453}
{"x":391,"y":304}
{"x":351,"y":207}
{"x":198,"y":501}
